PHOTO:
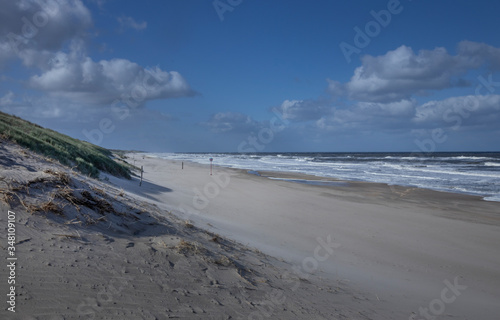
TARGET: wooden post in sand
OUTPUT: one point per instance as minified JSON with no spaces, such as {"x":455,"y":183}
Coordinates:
{"x":142,"y":170}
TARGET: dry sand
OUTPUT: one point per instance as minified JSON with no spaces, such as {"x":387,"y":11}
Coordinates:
{"x":86,"y":249}
{"x":239,"y":246}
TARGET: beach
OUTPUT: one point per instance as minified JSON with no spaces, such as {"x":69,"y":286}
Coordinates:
{"x":237,"y":245}
{"x":400,"y":246}
{"x":106,"y":249}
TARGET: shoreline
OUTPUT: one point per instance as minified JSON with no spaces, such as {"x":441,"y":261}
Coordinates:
{"x":367,"y":191}
{"x":295,"y":177}
{"x":299,"y":175}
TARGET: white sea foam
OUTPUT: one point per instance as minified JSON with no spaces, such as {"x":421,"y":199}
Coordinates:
{"x":467,"y":173}
{"x":492,"y":164}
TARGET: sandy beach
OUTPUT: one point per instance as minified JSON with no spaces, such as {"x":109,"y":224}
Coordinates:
{"x":234,"y":245}
{"x":106,"y":249}
{"x":399,"y":247}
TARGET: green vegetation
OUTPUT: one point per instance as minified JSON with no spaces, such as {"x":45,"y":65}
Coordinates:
{"x":86,"y":157}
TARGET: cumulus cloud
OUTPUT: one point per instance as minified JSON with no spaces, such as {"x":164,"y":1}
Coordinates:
{"x":399,"y":74}
{"x":454,"y":112}
{"x":79,"y":78}
{"x":231,"y":122}
{"x":457,"y":111}
{"x":372,"y":115}
{"x":380,"y":94}
{"x":477,"y":54}
{"x":335,"y":88}
{"x":129,"y":22}
{"x":49,"y":35}
{"x":40,"y":25}
{"x":303,"y":110}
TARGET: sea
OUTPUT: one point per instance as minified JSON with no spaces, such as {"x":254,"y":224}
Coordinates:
{"x":476,"y":173}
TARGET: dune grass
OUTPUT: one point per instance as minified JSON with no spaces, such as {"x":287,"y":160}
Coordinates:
{"x":84,"y":156}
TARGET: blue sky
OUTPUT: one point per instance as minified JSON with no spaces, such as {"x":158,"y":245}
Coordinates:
{"x":255,"y":75}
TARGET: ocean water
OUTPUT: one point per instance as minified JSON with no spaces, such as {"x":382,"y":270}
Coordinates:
{"x":469,"y":173}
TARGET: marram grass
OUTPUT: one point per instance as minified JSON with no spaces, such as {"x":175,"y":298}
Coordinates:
{"x":84,"y":156}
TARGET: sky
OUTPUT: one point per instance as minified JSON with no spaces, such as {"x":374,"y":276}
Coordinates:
{"x":256,"y":75}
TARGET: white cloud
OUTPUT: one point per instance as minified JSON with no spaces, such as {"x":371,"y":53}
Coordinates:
{"x":69,"y":74}
{"x":40,"y":25}
{"x":380,"y":94}
{"x":335,"y":88}
{"x":129,"y":22}
{"x":303,"y":110}
{"x":369,"y":115}
{"x":77,"y":77}
{"x":402,"y":73}
{"x":458,"y":111}
{"x":479,"y":53}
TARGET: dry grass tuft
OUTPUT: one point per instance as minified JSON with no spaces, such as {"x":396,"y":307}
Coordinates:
{"x":45,"y":207}
{"x":186,"y":247}
{"x":104,"y":207}
{"x":188,"y":224}
{"x":73,"y":221}
{"x":62,"y":177}
{"x":224,"y":261}
{"x":87,"y":195}
{"x":67,"y":194}
{"x":58,"y":179}
{"x":99,"y":204}
{"x":98,"y":191}
{"x":21,"y":188}
{"x":7,"y":196}
{"x":39,"y":180}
